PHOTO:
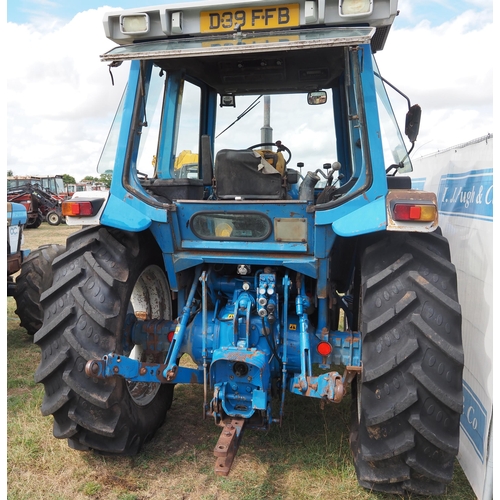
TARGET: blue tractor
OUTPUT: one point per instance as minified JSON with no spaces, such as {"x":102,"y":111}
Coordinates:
{"x":17,"y":217}
{"x":322,"y":277}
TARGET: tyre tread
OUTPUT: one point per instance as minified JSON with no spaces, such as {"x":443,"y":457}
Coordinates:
{"x":84,"y":311}
{"x":411,"y":393}
{"x":35,"y":277}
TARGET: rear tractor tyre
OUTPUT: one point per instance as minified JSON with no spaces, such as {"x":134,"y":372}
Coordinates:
{"x":34,"y":223}
{"x":408,"y":401}
{"x":103,"y":275}
{"x":53,"y":218}
{"x":34,"y":279}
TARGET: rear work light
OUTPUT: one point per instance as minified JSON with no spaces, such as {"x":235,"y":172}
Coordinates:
{"x":416,"y":212}
{"x":355,"y":8}
{"x":134,"y":24}
{"x":81,"y":208}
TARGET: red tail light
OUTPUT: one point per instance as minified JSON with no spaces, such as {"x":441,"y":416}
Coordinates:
{"x":81,"y":208}
{"x":414,"y":212}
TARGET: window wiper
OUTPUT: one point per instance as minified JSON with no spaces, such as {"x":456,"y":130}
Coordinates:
{"x":241,"y":116}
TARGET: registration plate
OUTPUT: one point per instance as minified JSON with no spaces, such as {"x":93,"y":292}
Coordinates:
{"x":250,"y":18}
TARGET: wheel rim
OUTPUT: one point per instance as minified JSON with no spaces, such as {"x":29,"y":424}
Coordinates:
{"x":53,"y":218}
{"x":150,"y":299}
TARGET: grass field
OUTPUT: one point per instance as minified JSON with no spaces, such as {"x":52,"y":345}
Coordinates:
{"x":308,"y":457}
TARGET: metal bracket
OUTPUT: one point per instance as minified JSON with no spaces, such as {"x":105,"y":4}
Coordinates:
{"x":113,"y":365}
{"x":227,"y":446}
{"x":328,"y":386}
{"x":349,"y":374}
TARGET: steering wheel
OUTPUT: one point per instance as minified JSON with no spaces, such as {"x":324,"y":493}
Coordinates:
{"x":276,"y":144}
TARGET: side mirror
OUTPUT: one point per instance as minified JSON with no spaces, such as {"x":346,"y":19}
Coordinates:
{"x":412,"y":123}
{"x":315,"y":98}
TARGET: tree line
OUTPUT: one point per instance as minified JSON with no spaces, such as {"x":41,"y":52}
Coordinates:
{"x":104,"y":179}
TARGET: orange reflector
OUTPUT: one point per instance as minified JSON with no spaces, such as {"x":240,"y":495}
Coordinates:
{"x":72,"y":208}
{"x":324,"y":348}
{"x":170,"y":335}
{"x":414,"y":212}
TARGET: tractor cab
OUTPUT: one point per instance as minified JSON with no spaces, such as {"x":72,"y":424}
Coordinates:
{"x":272,"y":101}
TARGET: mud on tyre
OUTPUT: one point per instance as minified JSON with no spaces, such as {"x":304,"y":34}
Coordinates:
{"x":408,"y":402}
{"x":103,"y":275}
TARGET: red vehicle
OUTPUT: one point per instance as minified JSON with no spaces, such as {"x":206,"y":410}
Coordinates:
{"x":41,"y":195}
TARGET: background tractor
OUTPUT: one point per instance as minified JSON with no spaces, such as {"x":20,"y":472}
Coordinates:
{"x":42,"y":197}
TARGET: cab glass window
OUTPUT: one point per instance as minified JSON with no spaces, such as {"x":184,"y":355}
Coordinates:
{"x":186,"y":150}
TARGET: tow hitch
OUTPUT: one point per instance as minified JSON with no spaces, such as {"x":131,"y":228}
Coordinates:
{"x":227,"y":446}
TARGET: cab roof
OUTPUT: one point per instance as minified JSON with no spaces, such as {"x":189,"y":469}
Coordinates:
{"x":254,"y":63}
{"x":209,"y":18}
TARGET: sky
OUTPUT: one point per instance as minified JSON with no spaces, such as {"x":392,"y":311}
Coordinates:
{"x":60,"y":100}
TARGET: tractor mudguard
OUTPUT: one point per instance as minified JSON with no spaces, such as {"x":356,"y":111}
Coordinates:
{"x":367,"y":219}
{"x":119,"y":214}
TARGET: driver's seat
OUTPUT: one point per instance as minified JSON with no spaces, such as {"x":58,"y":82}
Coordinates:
{"x":246,"y":174}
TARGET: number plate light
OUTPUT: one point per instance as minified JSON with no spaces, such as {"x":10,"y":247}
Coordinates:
{"x":176,"y":23}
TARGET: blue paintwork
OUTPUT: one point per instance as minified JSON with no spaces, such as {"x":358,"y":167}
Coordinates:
{"x":238,"y":345}
{"x":364,"y":220}
{"x":249,"y":335}
{"x":123,"y":210}
{"x":16,"y":214}
{"x":115,"y":365}
{"x":378,"y":186}
{"x":118,"y":213}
